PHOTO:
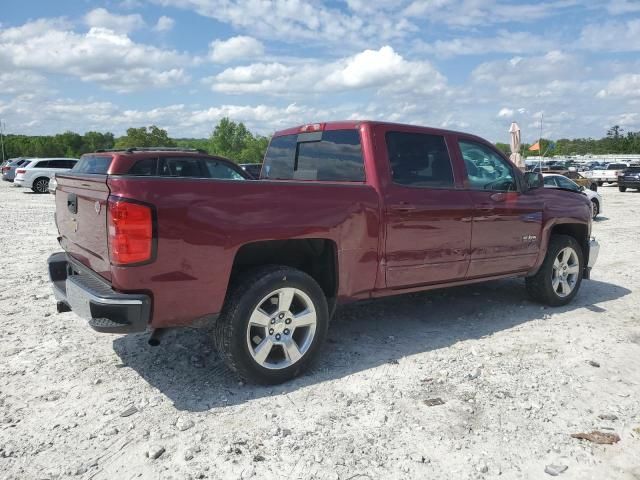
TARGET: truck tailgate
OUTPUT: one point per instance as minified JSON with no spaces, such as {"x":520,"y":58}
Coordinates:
{"x":81,"y":216}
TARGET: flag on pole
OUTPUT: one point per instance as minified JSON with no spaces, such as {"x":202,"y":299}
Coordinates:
{"x":535,"y":147}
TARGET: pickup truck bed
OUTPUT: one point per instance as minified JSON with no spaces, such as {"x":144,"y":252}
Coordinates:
{"x":344,"y":211}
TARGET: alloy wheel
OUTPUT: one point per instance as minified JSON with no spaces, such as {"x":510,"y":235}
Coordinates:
{"x":281,"y":328}
{"x":566,"y":269}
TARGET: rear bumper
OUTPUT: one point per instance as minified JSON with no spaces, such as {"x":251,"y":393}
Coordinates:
{"x":18,"y":182}
{"x":91,"y":298}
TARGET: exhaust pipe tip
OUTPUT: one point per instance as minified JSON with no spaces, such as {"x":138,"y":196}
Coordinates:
{"x":154,"y":338}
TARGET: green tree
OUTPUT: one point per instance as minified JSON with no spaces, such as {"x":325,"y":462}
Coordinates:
{"x":233,"y":140}
{"x":145,"y":137}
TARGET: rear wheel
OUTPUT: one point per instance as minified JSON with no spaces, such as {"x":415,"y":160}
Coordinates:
{"x":593,"y":187}
{"x":273,"y":323}
{"x":621,"y":188}
{"x":600,"y":183}
{"x":41,"y":185}
{"x":560,"y":275}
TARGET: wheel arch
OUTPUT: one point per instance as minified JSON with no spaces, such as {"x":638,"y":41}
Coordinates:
{"x":317,"y":257}
{"x":579,"y":231}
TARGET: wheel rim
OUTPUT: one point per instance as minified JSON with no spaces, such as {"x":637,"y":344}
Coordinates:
{"x":281,"y":328}
{"x":595,"y":209}
{"x":42,"y":185}
{"x":566,"y":268}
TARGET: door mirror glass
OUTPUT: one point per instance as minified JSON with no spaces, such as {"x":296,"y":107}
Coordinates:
{"x":533,"y":180}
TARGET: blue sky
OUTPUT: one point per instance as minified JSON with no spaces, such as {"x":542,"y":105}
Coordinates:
{"x":472,"y":65}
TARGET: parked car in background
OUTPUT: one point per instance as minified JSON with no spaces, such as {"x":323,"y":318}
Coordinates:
{"x":37,"y":174}
{"x":609,"y":174}
{"x":629,"y":178}
{"x":9,"y":168}
{"x":579,"y":179}
{"x":252,"y":169}
{"x":344,"y":211}
{"x":553,"y":180}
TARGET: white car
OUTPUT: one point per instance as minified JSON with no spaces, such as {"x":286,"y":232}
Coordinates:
{"x":552,"y":180}
{"x":37,"y":174}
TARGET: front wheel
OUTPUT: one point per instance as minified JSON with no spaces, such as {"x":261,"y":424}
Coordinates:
{"x":595,"y":208}
{"x":621,"y":188}
{"x":560,"y":275}
{"x":273,"y":323}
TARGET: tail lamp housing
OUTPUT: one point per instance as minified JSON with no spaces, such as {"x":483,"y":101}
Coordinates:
{"x":131,"y":232}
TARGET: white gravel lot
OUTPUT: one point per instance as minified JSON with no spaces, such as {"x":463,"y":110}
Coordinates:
{"x":515,"y":379}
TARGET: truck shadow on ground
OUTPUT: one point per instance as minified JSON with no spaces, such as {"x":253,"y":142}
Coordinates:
{"x":364,"y":335}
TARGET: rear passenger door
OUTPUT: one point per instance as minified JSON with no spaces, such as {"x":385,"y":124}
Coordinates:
{"x":428,"y":216}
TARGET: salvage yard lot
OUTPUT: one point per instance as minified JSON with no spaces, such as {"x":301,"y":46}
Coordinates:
{"x":515,"y":380}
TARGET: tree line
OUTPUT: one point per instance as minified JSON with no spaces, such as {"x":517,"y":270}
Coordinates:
{"x":233,"y":140}
{"x":228,"y":139}
{"x":615,"y":141}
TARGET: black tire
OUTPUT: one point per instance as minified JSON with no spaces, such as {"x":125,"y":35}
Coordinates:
{"x":600,"y":183}
{"x":621,"y":188}
{"x":40,"y":185}
{"x":595,"y":209}
{"x":245,"y":294}
{"x":540,"y":286}
{"x":593,"y":187}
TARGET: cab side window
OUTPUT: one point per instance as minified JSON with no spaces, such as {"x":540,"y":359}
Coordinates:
{"x":486,"y":170}
{"x":419,"y":160}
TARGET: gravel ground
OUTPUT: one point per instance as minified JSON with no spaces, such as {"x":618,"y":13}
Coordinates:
{"x":516,"y":380}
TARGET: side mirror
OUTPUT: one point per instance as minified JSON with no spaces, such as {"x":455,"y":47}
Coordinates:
{"x":533,"y":180}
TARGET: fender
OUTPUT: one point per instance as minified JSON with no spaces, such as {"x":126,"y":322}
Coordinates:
{"x":547,"y":230}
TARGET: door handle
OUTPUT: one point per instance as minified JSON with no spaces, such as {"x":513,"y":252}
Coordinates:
{"x":402,"y":207}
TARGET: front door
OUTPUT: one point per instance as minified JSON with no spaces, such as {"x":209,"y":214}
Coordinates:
{"x":507,"y":223}
{"x":428,"y":218}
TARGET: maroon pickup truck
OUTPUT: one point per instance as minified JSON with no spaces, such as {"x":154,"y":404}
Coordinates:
{"x":342,"y":211}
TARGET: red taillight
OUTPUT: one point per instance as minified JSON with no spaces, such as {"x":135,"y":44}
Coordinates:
{"x":20,"y":170}
{"x":130,"y":232}
{"x":312,"y":127}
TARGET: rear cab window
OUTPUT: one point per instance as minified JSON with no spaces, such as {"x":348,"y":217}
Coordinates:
{"x":331,"y":155}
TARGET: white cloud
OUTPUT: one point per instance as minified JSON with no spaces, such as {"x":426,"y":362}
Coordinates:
{"x":506,"y":113}
{"x":296,"y":20}
{"x":503,"y":42}
{"x":235,"y":48}
{"x":164,"y":24}
{"x":101,"y":55}
{"x":626,"y":85}
{"x":102,"y":18}
{"x":15,"y":82}
{"x":621,"y":7}
{"x":611,"y":37}
{"x":383,"y":69}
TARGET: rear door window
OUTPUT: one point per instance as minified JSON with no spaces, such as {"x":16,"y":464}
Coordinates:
{"x":217,"y":169}
{"x":181,"y":167}
{"x":333,"y":155}
{"x":92,"y":164}
{"x":59,"y":164}
{"x":419,"y":160}
{"x":42,"y":164}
